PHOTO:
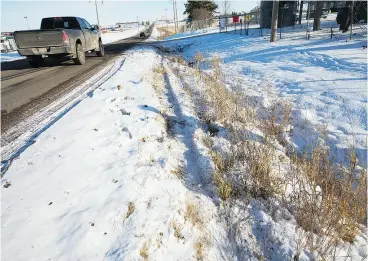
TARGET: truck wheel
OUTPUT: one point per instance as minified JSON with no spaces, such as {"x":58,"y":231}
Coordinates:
{"x":36,"y":61}
{"x":101,"y":50}
{"x":81,"y":56}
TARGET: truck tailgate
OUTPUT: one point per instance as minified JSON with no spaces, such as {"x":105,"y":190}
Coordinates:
{"x":38,"y":38}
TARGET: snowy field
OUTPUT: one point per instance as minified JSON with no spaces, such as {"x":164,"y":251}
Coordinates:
{"x":126,"y":173}
{"x":114,"y":36}
{"x":326,"y":79}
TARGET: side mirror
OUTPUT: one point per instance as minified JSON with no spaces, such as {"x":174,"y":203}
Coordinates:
{"x":95,"y":27}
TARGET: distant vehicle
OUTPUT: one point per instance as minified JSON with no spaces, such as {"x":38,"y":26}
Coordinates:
{"x":7,"y":44}
{"x":59,"y":38}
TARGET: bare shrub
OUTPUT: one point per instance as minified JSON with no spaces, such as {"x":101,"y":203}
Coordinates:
{"x":329,"y":204}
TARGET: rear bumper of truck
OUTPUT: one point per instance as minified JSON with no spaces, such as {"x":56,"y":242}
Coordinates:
{"x":67,"y":50}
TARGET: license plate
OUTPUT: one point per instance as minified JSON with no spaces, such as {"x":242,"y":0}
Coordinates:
{"x":39,"y":50}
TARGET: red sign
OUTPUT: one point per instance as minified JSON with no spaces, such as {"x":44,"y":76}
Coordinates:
{"x":235,"y":19}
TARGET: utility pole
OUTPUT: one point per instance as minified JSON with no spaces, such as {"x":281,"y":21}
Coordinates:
{"x":137,"y":24}
{"x":351,"y":19}
{"x":308,"y":11}
{"x":275,"y":15}
{"x":167,"y":22}
{"x":301,"y":11}
{"x":175,"y":16}
{"x":98,"y":19}
{"x":25,"y":18}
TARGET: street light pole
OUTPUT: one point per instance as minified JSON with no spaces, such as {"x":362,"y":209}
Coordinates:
{"x":25,"y":18}
{"x":98,"y":20}
{"x":167,"y":23}
{"x":137,"y":24}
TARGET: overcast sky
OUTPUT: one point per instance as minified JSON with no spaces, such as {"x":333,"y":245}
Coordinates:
{"x":110,"y":12}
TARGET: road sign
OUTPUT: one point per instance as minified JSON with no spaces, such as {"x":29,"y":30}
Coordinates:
{"x":247,"y":18}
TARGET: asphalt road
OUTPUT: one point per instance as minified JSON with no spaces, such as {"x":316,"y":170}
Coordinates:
{"x":25,"y":90}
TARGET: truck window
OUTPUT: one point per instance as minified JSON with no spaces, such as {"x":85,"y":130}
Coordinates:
{"x":82,"y":24}
{"x":87,"y":24}
{"x":59,"y":23}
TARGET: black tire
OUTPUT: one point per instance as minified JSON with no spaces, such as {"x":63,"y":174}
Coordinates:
{"x":101,"y":49}
{"x":36,"y":61}
{"x":80,"y":55}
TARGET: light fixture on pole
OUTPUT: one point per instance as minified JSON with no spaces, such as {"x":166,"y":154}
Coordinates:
{"x":25,"y":18}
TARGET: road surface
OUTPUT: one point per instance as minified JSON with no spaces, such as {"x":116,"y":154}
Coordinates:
{"x":25,"y":90}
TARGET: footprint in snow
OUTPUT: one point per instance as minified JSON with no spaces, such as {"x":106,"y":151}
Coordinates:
{"x":125,"y":129}
{"x":124,"y":112}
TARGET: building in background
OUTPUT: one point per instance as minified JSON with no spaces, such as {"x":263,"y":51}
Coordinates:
{"x":287,"y":13}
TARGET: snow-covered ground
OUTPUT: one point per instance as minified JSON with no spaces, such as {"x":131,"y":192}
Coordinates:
{"x":114,"y":36}
{"x":155,"y":34}
{"x":125,"y":174}
{"x":10,"y":56}
{"x":70,"y":191}
{"x":326,"y":79}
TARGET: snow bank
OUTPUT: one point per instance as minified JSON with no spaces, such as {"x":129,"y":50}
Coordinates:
{"x":70,"y":190}
{"x":154,"y":35}
{"x":114,"y":36}
{"x":11,"y":56}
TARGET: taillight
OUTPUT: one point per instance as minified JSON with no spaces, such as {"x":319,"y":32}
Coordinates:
{"x":65,"y":37}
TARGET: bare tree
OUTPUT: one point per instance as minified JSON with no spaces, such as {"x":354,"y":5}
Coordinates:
{"x":301,"y":11}
{"x":317,"y":16}
{"x":200,"y":17}
{"x":275,"y":15}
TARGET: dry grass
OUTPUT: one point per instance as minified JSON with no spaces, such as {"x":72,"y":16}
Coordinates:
{"x":131,"y":208}
{"x":177,"y":230}
{"x":200,"y":247}
{"x":179,"y":172}
{"x":143,"y":252}
{"x":224,"y":187}
{"x":159,"y":70}
{"x":328,"y":203}
{"x":192,"y":214}
{"x":276,"y":121}
{"x":207,"y":141}
{"x":165,"y":32}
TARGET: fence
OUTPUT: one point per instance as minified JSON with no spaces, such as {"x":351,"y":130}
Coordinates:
{"x":251,"y":23}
